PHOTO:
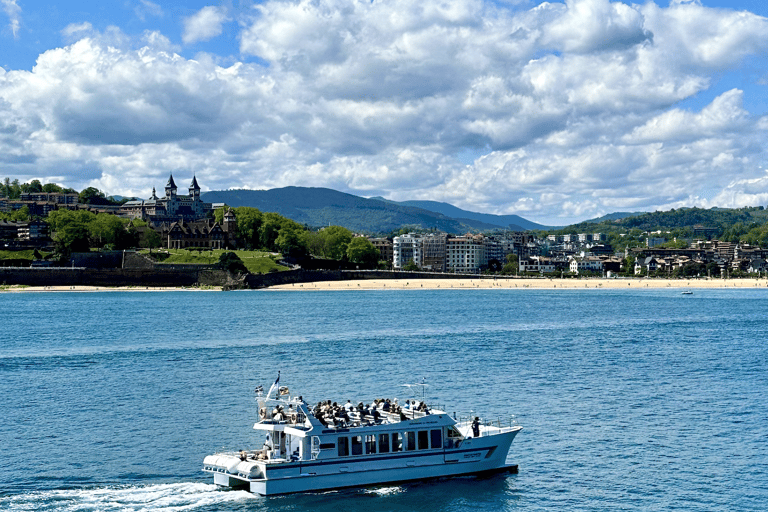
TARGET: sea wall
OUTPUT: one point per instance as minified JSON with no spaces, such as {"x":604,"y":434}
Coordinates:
{"x":60,"y":276}
{"x":192,"y":275}
{"x":255,"y":281}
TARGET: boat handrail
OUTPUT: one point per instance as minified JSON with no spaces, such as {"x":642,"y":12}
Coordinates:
{"x":498,"y":423}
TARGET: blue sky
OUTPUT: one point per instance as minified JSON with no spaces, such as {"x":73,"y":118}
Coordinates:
{"x":558,"y":111}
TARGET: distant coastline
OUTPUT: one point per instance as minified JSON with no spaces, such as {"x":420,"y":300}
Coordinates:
{"x":482,"y":283}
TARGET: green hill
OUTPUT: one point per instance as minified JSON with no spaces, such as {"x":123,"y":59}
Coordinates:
{"x":322,"y":207}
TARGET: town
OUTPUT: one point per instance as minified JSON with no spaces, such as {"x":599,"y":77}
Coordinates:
{"x":36,"y":218}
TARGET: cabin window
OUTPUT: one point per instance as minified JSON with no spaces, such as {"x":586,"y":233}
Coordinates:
{"x":397,"y":442}
{"x":343,"y":443}
{"x":357,"y":445}
{"x":423,"y":439}
{"x":383,"y":443}
{"x":370,"y":444}
{"x":436,"y":438}
{"x":410,"y":441}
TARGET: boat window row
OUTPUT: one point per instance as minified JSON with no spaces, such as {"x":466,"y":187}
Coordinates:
{"x":411,"y":440}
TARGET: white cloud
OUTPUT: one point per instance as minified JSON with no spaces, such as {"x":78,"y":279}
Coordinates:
{"x":13,"y":11}
{"x":74,"y":31}
{"x":145,"y":8}
{"x":204,"y":25}
{"x":574,"y":108}
{"x":590,"y":25}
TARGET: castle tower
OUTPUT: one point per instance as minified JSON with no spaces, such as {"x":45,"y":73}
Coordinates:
{"x":170,"y":187}
{"x":230,"y":223}
{"x":194,"y":189}
{"x":229,"y":226}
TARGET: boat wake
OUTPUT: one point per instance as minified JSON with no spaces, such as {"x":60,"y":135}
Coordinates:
{"x":136,"y":498}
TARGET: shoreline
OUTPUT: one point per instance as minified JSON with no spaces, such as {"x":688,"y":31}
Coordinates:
{"x":499,"y":283}
{"x":503,"y":283}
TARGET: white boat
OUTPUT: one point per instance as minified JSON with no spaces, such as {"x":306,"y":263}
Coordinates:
{"x":318,"y":448}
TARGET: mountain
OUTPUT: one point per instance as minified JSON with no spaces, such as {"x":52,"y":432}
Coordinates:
{"x":512,"y":222}
{"x":614,"y":216}
{"x":322,"y":207}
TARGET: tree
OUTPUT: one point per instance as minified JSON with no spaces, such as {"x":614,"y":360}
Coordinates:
{"x":51,"y":187}
{"x":270,"y":229}
{"x":149,"y":238}
{"x":231,"y":262}
{"x":92,"y":195}
{"x":411,"y":266}
{"x":362,"y":252}
{"x":107,"y":229}
{"x":290,"y":243}
{"x":35,"y":187}
{"x":71,"y":238}
{"x":335,"y":241}
{"x":248,"y":225}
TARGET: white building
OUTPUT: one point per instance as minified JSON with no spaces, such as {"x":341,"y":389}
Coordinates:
{"x":587,"y":264}
{"x":538,"y":264}
{"x":407,"y":248}
{"x":465,"y":254}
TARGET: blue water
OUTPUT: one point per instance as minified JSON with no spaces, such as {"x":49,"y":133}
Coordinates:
{"x":630,"y":400}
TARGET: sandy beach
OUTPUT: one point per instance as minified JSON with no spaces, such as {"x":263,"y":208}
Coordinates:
{"x":522,"y":283}
{"x":434,"y":284}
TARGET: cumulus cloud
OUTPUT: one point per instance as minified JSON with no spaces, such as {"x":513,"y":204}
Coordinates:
{"x":13,"y":11}
{"x":573,"y":109}
{"x":204,"y":25}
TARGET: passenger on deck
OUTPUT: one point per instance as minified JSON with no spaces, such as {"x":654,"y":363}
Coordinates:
{"x":476,"y":427}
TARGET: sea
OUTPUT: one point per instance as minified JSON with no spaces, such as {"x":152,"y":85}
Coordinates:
{"x":629,"y":399}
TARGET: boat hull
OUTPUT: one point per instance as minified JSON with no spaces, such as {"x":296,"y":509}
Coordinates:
{"x":476,"y":456}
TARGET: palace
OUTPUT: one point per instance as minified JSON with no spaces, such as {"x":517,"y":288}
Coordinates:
{"x":171,"y":208}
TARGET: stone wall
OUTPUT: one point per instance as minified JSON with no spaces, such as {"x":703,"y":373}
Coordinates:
{"x":255,"y":281}
{"x":60,"y":276}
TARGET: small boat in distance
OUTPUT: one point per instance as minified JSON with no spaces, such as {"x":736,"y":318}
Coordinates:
{"x":687,"y":292}
{"x":332,"y":446}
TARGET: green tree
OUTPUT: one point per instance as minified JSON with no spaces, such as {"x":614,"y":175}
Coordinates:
{"x":248,"y":225}
{"x":149,"y":238}
{"x":15,"y":190}
{"x":411,"y":266}
{"x":107,"y":229}
{"x":362,"y":252}
{"x":335,"y":241}
{"x":290,"y":243}
{"x":270,"y":229}
{"x":71,"y":238}
{"x":35,"y":187}
{"x":231,"y":262}
{"x":92,"y":195}
{"x":51,"y":188}
{"x":21,"y":214}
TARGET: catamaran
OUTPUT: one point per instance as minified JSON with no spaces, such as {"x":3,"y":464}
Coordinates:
{"x":331,"y":446}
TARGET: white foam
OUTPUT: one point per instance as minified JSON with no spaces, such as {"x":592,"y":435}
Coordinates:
{"x":164,"y":497}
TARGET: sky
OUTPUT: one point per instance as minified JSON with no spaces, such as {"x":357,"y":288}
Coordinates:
{"x":556,"y":111}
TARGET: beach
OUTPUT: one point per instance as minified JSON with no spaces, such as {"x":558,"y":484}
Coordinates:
{"x":486,"y":283}
{"x":482,"y":283}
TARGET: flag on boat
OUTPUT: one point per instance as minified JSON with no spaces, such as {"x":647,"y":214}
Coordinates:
{"x":274,"y":386}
